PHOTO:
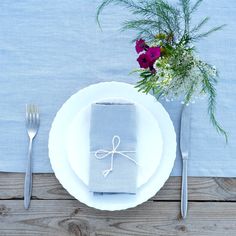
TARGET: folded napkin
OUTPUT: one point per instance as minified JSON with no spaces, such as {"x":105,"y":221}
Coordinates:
{"x":113,"y":127}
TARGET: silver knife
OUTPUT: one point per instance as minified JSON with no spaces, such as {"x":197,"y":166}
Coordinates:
{"x":184,"y":148}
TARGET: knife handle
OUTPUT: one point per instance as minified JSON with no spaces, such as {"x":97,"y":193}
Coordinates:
{"x":184,"y":190}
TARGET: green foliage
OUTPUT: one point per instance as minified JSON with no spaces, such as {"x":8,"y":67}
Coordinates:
{"x":151,"y":18}
{"x":208,"y":87}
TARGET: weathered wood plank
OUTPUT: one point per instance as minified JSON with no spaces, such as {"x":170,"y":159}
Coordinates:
{"x":69,"y":217}
{"x":46,"y":186}
{"x":200,"y":188}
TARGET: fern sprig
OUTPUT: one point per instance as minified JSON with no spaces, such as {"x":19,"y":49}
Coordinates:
{"x":209,"y":88}
{"x":185,"y":4}
{"x":206,"y":34}
{"x":196,"y":6}
{"x":197,"y":27}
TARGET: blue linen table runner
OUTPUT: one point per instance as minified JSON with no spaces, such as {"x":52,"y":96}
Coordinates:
{"x":51,"y":49}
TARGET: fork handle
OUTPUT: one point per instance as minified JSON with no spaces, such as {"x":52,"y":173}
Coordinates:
{"x":28,"y":178}
{"x":184,"y":190}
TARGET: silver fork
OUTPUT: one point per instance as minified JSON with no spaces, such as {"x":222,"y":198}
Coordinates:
{"x":32,"y":126}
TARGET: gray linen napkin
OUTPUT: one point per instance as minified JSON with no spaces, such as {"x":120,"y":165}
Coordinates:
{"x":107,"y":121}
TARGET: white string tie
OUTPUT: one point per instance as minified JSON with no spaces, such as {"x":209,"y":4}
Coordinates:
{"x":102,"y":153}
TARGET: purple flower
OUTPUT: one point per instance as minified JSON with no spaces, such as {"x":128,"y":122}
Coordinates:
{"x":153,"y":54}
{"x":143,"y":61}
{"x":140,"y":45}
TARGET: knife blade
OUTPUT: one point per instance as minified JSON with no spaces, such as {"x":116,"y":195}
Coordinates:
{"x":184,"y":148}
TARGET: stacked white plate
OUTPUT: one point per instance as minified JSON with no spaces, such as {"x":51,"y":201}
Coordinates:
{"x":69,"y":145}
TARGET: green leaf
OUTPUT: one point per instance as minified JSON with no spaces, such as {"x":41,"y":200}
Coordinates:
{"x":185,"y":4}
{"x":209,"y":88}
{"x":125,"y":3}
{"x":200,"y":25}
{"x":196,"y":6}
{"x":205,"y":34}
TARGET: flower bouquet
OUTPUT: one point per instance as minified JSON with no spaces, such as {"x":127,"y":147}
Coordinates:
{"x":169,"y":64}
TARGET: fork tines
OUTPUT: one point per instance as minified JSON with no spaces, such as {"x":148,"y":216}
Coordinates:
{"x":32,"y":114}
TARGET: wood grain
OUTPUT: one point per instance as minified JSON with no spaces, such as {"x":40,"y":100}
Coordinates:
{"x":69,"y":217}
{"x":46,"y":186}
{"x":212,"y":210}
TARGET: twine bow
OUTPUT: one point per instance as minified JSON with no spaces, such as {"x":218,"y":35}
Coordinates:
{"x":102,"y":153}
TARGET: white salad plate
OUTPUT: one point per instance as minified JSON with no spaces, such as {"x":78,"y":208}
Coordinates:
{"x":64,"y":145}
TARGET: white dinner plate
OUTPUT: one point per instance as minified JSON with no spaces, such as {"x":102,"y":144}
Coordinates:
{"x":149,"y":142}
{"x":58,"y":152}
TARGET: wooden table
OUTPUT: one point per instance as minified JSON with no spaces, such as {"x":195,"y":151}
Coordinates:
{"x":212,"y":210}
